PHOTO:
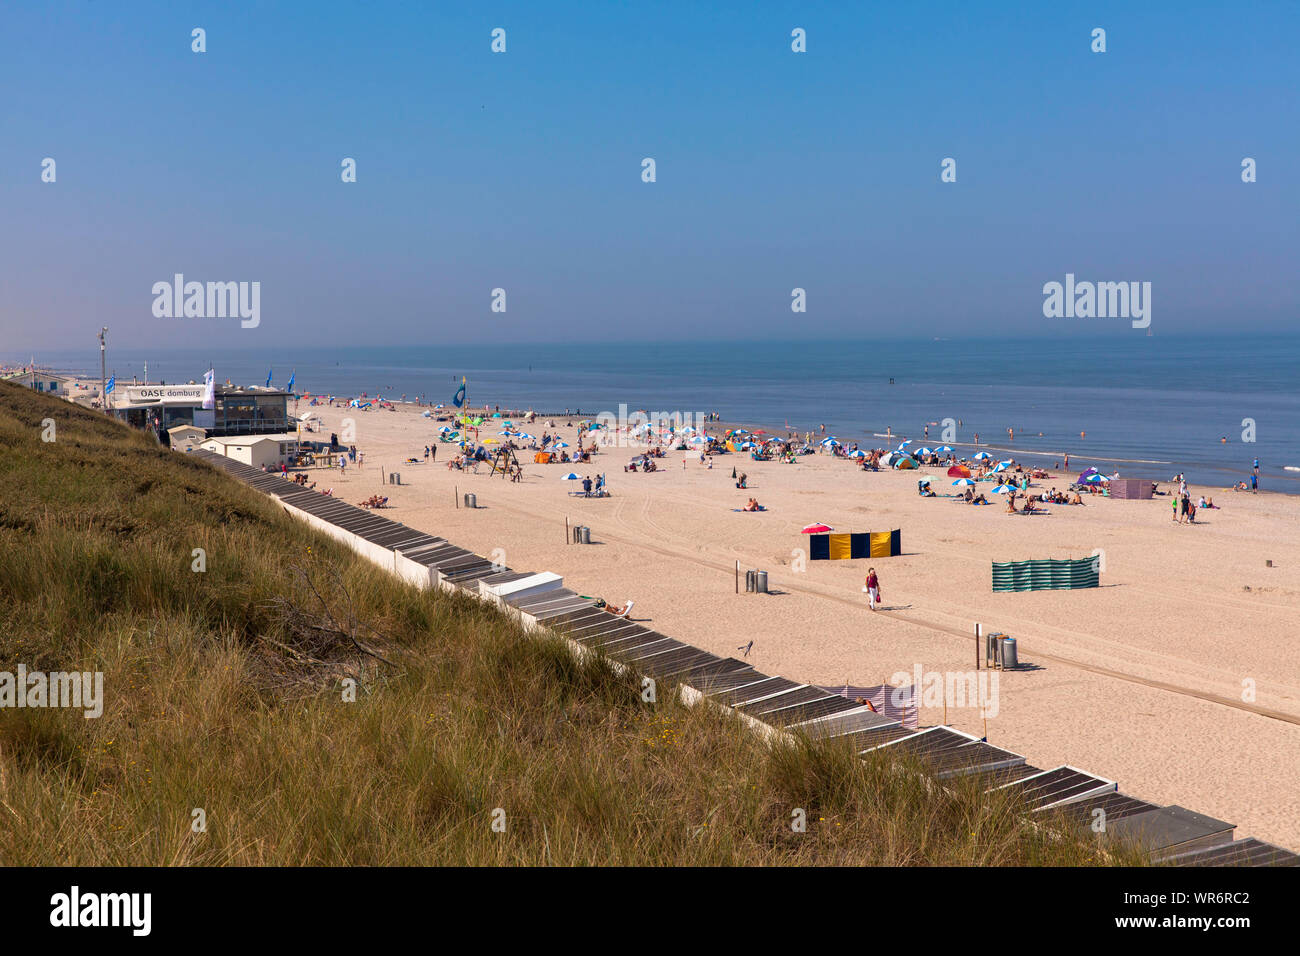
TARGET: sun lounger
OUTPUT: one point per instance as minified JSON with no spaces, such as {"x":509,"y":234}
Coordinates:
{"x":626,"y":610}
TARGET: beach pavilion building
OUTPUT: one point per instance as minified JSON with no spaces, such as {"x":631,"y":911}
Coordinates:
{"x":237,"y":410}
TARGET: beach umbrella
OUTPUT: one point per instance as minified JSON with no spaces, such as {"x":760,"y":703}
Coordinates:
{"x":745,"y":445}
{"x":944,"y":449}
{"x":1003,"y":489}
{"x":904,"y":444}
{"x":699,"y":440}
{"x":1002,"y":466}
{"x":526,"y":437}
{"x":924,"y":451}
{"x":570,"y":477}
{"x":559,"y":444}
{"x":964,"y":481}
{"x":740,"y":431}
{"x":983,"y":455}
{"x":440,"y":405}
{"x":444,"y":429}
{"x":858,"y":454}
{"x":1094,"y":479}
{"x":1008,"y":462}
{"x":760,"y":431}
{"x":830,"y":442}
{"x":817,"y":529}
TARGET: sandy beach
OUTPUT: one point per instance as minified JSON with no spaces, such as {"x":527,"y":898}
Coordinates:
{"x":1146,"y":680}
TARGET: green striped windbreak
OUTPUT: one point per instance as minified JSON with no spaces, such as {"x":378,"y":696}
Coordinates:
{"x":1046,"y":575}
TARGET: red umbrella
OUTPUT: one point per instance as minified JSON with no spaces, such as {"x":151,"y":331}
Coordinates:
{"x":817,"y":529}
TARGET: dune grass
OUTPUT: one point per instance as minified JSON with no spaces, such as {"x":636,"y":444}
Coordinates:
{"x":468,"y":742}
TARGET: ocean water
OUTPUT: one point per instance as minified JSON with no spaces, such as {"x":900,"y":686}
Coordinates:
{"x":1142,"y":406}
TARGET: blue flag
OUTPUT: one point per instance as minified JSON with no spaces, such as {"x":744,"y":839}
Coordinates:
{"x":268,"y":377}
{"x":112,"y":384}
{"x":294,"y":375}
{"x":459,"y":400}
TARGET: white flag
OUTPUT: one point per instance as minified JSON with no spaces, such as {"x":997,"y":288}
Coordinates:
{"x":209,"y":389}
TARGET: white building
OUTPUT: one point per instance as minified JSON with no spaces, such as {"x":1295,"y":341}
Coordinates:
{"x":185,"y":437}
{"x":256,"y":450}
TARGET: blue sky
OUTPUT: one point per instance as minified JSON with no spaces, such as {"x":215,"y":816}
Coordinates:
{"x":522,"y":170}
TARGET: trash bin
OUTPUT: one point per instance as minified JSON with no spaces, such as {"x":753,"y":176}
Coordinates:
{"x":471,"y":501}
{"x":760,"y":582}
{"x":750,"y":583}
{"x":991,"y":648}
{"x":586,"y":535}
{"x":1008,"y":649}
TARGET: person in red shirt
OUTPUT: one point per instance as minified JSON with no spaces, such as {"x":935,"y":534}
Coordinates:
{"x":872,"y":588}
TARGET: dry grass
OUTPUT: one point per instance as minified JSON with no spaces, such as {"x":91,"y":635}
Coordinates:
{"x":224,"y":693}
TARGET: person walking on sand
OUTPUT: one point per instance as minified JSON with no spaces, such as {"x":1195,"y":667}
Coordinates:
{"x":872,"y":587}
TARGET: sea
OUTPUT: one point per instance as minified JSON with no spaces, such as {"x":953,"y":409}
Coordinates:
{"x":1148,"y":407}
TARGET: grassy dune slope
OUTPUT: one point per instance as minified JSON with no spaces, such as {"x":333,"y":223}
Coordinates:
{"x":222,"y":692}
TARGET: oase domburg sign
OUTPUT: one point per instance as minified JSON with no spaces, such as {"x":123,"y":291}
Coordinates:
{"x":164,"y":394}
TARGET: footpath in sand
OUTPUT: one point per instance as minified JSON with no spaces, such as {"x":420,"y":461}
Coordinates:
{"x":1142,"y":680}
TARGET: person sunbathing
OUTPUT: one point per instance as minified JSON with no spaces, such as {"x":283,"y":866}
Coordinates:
{"x":1029,"y":506}
{"x":980,"y":500}
{"x":752,"y":505}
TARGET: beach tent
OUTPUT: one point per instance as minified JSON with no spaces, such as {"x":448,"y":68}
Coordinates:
{"x":1130,"y":488}
{"x":958,"y":471}
{"x":905,"y":463}
{"x":871,"y":544}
